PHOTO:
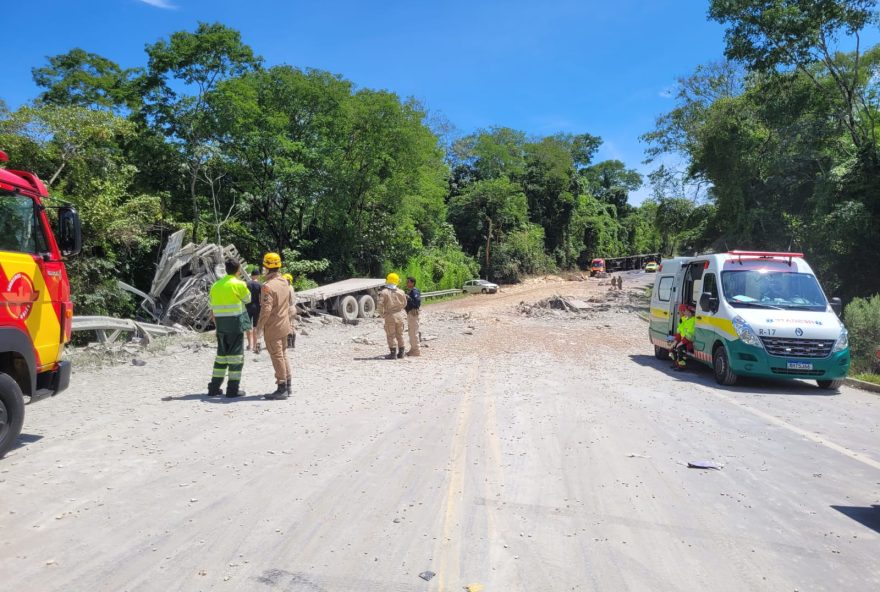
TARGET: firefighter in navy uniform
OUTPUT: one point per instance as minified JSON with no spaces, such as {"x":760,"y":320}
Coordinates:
{"x":413,"y":304}
{"x":229,"y":296}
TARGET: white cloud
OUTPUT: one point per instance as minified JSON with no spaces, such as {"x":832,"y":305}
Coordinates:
{"x":160,"y":4}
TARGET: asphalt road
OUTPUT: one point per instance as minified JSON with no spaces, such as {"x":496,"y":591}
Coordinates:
{"x":519,"y":453}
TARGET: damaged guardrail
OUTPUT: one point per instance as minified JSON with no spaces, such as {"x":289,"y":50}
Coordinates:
{"x":108,"y":329}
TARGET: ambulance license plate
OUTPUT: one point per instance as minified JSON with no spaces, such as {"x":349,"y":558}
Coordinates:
{"x":800,"y":366}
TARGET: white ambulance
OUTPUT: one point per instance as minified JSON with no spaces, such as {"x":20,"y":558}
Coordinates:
{"x":757,"y":314}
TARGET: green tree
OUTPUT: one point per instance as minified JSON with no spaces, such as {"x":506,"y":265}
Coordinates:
{"x":768,"y":35}
{"x":198,"y":62}
{"x":86,"y":79}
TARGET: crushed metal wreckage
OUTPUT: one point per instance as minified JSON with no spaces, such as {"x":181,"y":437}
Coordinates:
{"x":184,"y":275}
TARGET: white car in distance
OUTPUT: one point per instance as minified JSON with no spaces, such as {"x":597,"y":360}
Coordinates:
{"x":479,"y":287}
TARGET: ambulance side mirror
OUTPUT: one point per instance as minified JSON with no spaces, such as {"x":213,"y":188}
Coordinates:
{"x":837,"y":306}
{"x":708,"y":303}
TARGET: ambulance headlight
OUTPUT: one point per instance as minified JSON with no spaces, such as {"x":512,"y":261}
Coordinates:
{"x":745,"y":332}
{"x":842,"y":341}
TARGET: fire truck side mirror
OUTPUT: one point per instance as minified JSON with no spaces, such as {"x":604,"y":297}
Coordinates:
{"x":69,"y":232}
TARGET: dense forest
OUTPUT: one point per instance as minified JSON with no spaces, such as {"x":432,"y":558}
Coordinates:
{"x":779,"y":145}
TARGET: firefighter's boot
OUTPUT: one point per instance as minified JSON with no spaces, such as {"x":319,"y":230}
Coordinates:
{"x":400,"y":353}
{"x":214,"y":389}
{"x":392,"y":355}
{"x":233,"y":391}
{"x":280,"y":393}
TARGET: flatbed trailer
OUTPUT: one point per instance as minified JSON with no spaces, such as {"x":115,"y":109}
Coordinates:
{"x":350,"y":299}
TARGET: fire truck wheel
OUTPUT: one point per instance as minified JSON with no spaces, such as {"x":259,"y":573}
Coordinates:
{"x":11,"y":412}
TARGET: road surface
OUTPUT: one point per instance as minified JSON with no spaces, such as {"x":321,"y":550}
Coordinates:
{"x":520,"y":453}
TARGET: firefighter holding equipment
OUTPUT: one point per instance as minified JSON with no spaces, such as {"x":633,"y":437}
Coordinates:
{"x":684,"y":337}
{"x":229,"y":296}
{"x":274,"y":324}
{"x":413,"y":304}
{"x":391,"y":307}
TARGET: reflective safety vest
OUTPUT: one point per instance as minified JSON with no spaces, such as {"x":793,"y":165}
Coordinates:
{"x":687,"y":328}
{"x":229,"y":296}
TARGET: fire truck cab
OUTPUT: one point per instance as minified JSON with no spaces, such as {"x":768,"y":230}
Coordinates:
{"x":36,"y":312}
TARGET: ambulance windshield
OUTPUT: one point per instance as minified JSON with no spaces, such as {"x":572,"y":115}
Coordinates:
{"x":772,"y":289}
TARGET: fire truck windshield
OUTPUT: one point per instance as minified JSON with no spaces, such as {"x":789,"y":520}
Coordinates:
{"x":20,"y":228}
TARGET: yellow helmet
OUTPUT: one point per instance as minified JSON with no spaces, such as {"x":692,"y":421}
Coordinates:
{"x":272,"y":261}
{"x":289,"y":278}
{"x":392,"y":279}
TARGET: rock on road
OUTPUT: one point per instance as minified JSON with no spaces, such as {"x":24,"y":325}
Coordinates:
{"x":518,"y":453}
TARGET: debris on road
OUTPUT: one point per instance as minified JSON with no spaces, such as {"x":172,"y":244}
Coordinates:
{"x":427,"y":575}
{"x":703,"y":464}
{"x":137,"y":362}
{"x":554,"y":303}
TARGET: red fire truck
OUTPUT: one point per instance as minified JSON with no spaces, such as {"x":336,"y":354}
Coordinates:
{"x":35,"y":308}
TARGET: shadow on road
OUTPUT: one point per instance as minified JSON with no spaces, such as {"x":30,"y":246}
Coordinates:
{"x":379,"y":357}
{"x":25,"y":439}
{"x":702,"y":374}
{"x":868,"y":516}
{"x":221,"y":400}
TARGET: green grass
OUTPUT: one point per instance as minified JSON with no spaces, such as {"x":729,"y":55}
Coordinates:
{"x":873,"y":378}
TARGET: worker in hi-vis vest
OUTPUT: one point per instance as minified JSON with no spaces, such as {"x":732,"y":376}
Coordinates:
{"x":229,"y":295}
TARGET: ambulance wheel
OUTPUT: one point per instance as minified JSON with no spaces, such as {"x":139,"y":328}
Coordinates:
{"x":11,"y":412}
{"x":721,"y":363}
{"x":348,"y":308}
{"x":366,"y":306}
{"x":661,"y":353}
{"x":831,"y":385}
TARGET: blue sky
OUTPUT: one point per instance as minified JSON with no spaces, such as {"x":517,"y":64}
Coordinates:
{"x":604,"y":68}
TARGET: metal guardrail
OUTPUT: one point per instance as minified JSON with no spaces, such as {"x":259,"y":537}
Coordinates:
{"x":108,"y":329}
{"x":441,"y":293}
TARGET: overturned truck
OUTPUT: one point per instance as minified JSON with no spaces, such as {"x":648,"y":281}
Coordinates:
{"x":185,"y":273}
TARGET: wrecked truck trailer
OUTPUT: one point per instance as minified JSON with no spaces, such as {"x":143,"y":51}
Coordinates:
{"x":183,"y":279}
{"x":185,"y":274}
{"x":350,"y":299}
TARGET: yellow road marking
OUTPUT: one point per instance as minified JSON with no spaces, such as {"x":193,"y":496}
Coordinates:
{"x":450,"y":546}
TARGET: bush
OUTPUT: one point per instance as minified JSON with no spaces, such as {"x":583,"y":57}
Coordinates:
{"x":440,"y":269}
{"x":862,"y":317}
{"x":520,"y":254}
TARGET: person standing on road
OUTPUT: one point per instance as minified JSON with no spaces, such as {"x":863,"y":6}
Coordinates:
{"x":274,"y":324}
{"x":413,"y":304}
{"x":253,"y":308}
{"x":392,"y":302}
{"x":229,"y":297}
{"x":684,"y":336}
{"x":291,"y":339}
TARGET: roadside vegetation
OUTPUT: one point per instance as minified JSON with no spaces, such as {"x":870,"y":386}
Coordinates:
{"x":775,"y":147}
